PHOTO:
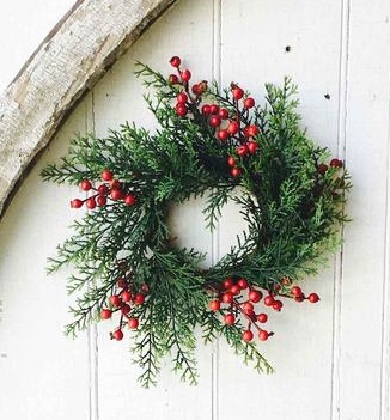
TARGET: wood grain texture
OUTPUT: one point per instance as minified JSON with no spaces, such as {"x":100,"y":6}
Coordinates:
{"x":69,"y":61}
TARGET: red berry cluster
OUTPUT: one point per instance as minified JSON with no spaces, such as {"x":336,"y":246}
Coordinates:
{"x":322,"y":168}
{"x":238,"y":299}
{"x":231,"y":127}
{"x":111,"y":189}
{"x":124,"y":301}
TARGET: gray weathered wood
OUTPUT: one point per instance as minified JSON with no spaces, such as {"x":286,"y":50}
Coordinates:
{"x":68,"y":62}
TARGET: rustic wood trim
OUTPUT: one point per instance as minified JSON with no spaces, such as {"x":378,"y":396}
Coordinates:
{"x":70,"y":60}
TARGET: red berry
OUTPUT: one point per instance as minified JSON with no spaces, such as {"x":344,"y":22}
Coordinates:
{"x":173,"y":79}
{"x":206,"y":109}
{"x":197,"y":89}
{"x":214,"y":109}
{"x":227,"y":297}
{"x":139,"y":299}
{"x":262,"y":318}
{"x":105,"y":314}
{"x":126,"y":296}
{"x":101,"y":200}
{"x":237,"y":93}
{"x":263,"y":335}
{"x":231,"y":161}
{"x":313,"y":298}
{"x":222,"y":135}
{"x":233,"y":127}
{"x":186,"y":75}
{"x":203,"y":85}
{"x":215,"y":121}
{"x":235,"y":289}
{"x":249,"y":102}
{"x":252,"y":147}
{"x":215,"y":305}
{"x":296,"y":291}
{"x":277,"y":305}
{"x":247,"y":335}
{"x":242,"y":150}
{"x":252,"y":130}
{"x":223,"y":113}
{"x":242,"y":284}
{"x":107,"y":175}
{"x":235,"y":172}
{"x":336,"y":163}
{"x":118,"y":335}
{"x":300,"y":298}
{"x":86,"y":185}
{"x":285,"y":281}
{"x":252,"y":316}
{"x":102,"y":189}
{"x":121,"y":283}
{"x":129,"y":199}
{"x":181,"y":110}
{"x":125,"y":309}
{"x":255,"y":296}
{"x":175,"y":61}
{"x":269,"y":300}
{"x":76,"y":203}
{"x":228,"y":283}
{"x":182,"y":98}
{"x":116,"y":194}
{"x":133,"y":323}
{"x":90,"y":203}
{"x":247,"y":307}
{"x":322,"y":168}
{"x":115,"y":184}
{"x":229,"y":319}
{"x":115,"y":300}
{"x":246,"y":131}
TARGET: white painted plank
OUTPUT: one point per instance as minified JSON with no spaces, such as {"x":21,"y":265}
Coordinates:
{"x":23,"y":25}
{"x":186,"y":30}
{"x":44,"y":374}
{"x":253,"y":53}
{"x":367,"y":140}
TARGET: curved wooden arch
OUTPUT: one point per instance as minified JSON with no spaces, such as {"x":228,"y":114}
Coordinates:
{"x":71,"y":59}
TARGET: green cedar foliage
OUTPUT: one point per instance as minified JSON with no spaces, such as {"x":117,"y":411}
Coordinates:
{"x":293,"y":209}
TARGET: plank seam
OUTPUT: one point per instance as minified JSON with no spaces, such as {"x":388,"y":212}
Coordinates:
{"x":341,"y":146}
{"x":215,"y":238}
{"x":385,"y":357}
{"x":92,"y":329}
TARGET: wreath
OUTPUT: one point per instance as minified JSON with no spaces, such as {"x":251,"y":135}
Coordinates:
{"x":210,"y":141}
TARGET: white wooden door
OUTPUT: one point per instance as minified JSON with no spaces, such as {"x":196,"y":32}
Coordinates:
{"x":331,"y":360}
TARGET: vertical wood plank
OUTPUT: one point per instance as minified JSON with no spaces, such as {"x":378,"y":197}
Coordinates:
{"x":341,"y":140}
{"x":364,"y":281}
{"x":186,"y":30}
{"x":263,"y":42}
{"x":44,"y":373}
{"x":385,"y":362}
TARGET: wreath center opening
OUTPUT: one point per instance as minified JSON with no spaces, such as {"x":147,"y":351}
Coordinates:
{"x":189,"y":228}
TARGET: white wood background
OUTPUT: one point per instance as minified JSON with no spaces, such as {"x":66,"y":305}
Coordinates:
{"x":331,"y":360}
